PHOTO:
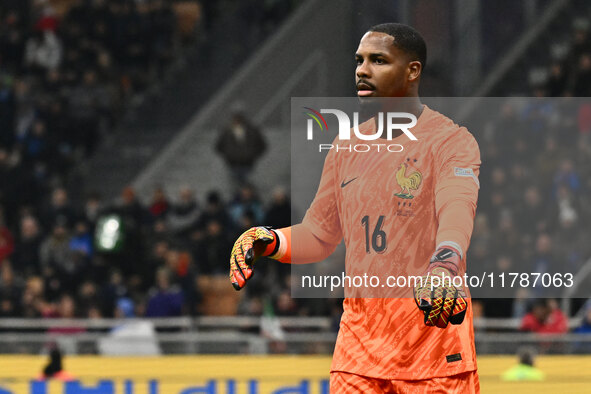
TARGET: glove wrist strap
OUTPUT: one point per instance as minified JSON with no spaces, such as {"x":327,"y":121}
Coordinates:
{"x":451,"y":245}
{"x":447,"y":258}
{"x":272,"y":247}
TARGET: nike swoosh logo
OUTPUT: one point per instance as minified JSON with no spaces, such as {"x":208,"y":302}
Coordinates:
{"x":343,"y":184}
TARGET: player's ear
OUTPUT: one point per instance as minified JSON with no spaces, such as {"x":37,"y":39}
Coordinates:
{"x":414,"y":70}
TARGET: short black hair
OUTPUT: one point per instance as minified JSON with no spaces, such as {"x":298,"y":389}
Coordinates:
{"x":405,"y":38}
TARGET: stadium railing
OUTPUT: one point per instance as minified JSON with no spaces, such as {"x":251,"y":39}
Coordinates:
{"x":239,"y":335}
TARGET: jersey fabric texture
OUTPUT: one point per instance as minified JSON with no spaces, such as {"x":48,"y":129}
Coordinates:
{"x":346,"y":383}
{"x":403,"y":197}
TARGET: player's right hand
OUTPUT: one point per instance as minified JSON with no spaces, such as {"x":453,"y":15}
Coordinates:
{"x":247,"y":248}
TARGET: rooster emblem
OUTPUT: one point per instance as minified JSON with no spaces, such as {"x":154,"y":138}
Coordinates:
{"x":407,"y":183}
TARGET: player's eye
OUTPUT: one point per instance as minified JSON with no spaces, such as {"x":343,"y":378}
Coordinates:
{"x":359,"y":61}
{"x":379,"y":60}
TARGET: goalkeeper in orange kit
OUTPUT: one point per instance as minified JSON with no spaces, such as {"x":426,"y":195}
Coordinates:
{"x":423,"y":344}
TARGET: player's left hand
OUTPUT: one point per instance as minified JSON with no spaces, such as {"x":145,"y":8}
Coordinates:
{"x":440,"y":301}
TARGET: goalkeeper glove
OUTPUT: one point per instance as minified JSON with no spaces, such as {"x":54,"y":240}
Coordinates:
{"x":247,"y":248}
{"x":439,"y":300}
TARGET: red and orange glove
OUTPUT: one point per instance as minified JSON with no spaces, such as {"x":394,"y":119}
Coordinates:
{"x":253,"y":243}
{"x":439,"y":300}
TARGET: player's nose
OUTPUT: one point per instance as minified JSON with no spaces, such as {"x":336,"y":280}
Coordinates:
{"x":363,"y":71}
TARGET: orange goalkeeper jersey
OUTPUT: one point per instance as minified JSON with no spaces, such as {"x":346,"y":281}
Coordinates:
{"x":387,"y":206}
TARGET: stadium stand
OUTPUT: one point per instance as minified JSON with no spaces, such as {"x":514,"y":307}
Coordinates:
{"x":70,"y":73}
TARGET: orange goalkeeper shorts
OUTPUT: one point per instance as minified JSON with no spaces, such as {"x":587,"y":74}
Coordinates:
{"x":349,"y":383}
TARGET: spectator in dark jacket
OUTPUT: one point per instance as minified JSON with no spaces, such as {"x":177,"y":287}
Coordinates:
{"x":278,"y":215}
{"x":26,"y":257}
{"x":241,"y":144}
{"x":159,"y":205}
{"x":184,"y":212}
{"x":59,"y":209}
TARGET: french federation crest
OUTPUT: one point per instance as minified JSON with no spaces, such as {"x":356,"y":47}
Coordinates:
{"x":407,"y":183}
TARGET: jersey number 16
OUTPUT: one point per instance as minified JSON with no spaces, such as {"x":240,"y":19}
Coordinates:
{"x":378,"y":236}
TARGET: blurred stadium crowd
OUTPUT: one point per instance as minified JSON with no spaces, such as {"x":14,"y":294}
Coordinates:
{"x":535,"y":180}
{"x":66,"y":78}
{"x":170,"y":251}
{"x":68,"y":71}
{"x":533,"y":203}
